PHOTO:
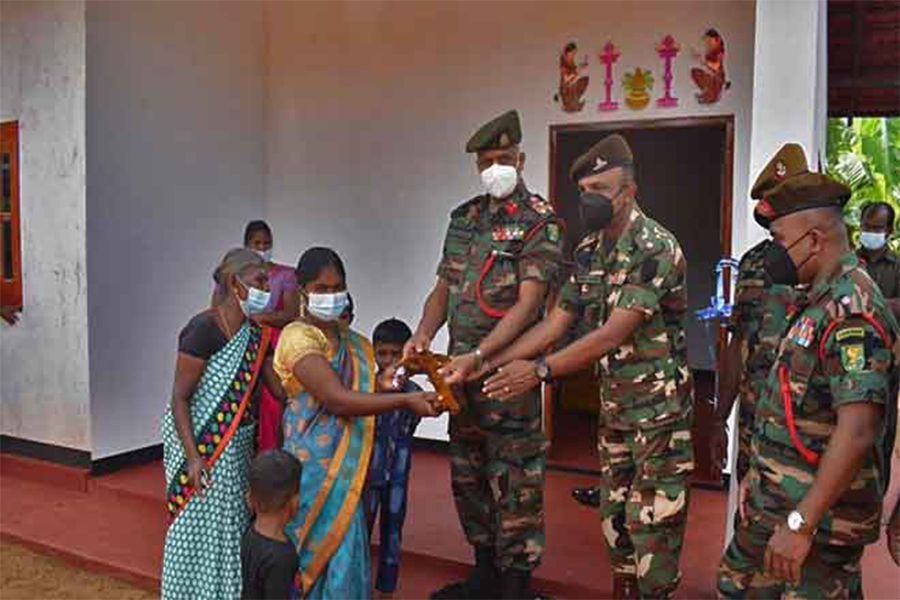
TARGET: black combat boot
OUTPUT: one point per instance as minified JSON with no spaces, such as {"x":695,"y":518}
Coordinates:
{"x":480,"y":585}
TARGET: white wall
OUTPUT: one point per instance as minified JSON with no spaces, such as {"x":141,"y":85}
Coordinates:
{"x":370,"y":105}
{"x":175,"y":170}
{"x":789,"y":105}
{"x":44,"y":391}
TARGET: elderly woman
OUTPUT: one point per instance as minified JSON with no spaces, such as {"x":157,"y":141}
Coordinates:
{"x":328,"y":371}
{"x":208,"y":433}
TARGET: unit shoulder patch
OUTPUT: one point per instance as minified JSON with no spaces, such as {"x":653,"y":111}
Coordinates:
{"x":853,"y":357}
{"x":850,"y":333}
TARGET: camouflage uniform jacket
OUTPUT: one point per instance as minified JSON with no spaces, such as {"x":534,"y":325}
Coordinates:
{"x":646,"y":382}
{"x":838,"y":350}
{"x":761,"y":313}
{"x":499,"y":244}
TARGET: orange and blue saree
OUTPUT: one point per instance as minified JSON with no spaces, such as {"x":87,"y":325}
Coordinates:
{"x":329,"y":528}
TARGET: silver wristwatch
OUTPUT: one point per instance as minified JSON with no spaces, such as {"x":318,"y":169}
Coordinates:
{"x":797,"y":523}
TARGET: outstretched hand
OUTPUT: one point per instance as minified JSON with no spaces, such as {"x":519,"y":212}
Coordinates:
{"x":511,"y":380}
{"x":417,"y":344}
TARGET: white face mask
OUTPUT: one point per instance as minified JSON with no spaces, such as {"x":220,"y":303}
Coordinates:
{"x":872,"y":240}
{"x":327,"y":307}
{"x":256,"y":302}
{"x":266,"y":255}
{"x":500,"y":180}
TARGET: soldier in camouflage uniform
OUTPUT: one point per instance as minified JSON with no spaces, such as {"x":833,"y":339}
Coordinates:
{"x":812,"y":498}
{"x":758,"y":322}
{"x":630,"y":288}
{"x":502,"y":253}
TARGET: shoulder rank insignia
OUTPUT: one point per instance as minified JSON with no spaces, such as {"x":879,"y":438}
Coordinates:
{"x":540,"y":206}
{"x":507,"y":233}
{"x":803,"y":332}
{"x":853,"y":357}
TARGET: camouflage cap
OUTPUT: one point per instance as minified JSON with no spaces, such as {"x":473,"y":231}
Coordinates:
{"x":610,"y":152}
{"x":497,"y":134}
{"x":787,"y":186}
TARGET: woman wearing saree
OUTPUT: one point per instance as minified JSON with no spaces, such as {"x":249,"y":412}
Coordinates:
{"x":208,"y":434}
{"x":328,"y":373}
{"x":282,"y":309}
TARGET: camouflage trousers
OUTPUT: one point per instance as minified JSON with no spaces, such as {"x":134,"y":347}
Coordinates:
{"x":498,"y":456}
{"x":746,"y":415}
{"x":644,"y":502}
{"x":829,"y":571}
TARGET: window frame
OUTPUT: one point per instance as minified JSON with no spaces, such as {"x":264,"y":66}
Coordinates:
{"x":10,"y":287}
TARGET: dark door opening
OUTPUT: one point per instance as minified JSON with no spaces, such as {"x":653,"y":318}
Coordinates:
{"x":684,"y":176}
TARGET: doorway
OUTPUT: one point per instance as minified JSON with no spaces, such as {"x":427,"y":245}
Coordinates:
{"x":683,"y":168}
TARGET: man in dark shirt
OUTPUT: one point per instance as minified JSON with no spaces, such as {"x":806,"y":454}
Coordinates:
{"x":882,"y":263}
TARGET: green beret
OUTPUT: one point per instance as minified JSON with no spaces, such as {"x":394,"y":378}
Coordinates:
{"x":788,"y":162}
{"x":801,"y":192}
{"x":497,"y":134}
{"x":610,"y":152}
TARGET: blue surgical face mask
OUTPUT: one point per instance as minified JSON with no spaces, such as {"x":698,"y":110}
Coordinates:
{"x":872,"y":240}
{"x":256,"y":302}
{"x":328,"y":307}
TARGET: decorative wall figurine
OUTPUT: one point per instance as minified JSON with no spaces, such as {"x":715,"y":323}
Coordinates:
{"x":668,"y":49}
{"x":710,"y":75}
{"x":637,"y":86}
{"x":608,"y":57}
{"x":572,"y":84}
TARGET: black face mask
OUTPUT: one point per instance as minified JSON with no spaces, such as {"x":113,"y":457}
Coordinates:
{"x":780,"y":266}
{"x":596,"y":211}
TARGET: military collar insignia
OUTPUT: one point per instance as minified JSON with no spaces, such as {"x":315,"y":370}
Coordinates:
{"x":540,"y":206}
{"x":780,"y":169}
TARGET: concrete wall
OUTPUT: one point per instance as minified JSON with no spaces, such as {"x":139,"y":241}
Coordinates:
{"x":44,"y":390}
{"x":371,"y":103}
{"x":175,"y":170}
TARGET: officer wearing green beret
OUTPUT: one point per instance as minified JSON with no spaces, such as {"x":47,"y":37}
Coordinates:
{"x":630,"y":288}
{"x":502,"y":255}
{"x":811,"y":500}
{"x":758,"y":322}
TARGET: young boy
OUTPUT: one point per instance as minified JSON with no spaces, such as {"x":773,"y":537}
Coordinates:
{"x":386,"y":486}
{"x":268,"y":558}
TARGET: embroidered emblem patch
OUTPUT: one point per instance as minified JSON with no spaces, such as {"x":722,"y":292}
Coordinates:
{"x":850,"y":332}
{"x":553,"y":232}
{"x":853,"y":357}
{"x":780,"y":169}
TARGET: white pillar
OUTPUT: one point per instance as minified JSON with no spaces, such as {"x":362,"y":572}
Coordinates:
{"x":789,"y":102}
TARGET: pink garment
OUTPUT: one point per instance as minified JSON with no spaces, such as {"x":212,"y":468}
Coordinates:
{"x":282,"y":280}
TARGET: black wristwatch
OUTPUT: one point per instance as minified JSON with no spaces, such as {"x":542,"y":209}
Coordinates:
{"x":542,"y":370}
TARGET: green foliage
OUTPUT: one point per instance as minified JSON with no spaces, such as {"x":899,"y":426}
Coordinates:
{"x":865,"y":155}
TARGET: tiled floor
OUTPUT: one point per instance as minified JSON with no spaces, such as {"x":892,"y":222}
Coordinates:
{"x":118,"y":526}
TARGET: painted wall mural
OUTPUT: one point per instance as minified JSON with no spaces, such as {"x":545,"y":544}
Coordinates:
{"x":608,"y":57}
{"x":668,"y":49}
{"x":709,"y":76}
{"x":572,"y":81}
{"x":637,"y":85}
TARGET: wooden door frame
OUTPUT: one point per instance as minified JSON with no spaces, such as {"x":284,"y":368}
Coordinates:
{"x":725,"y":204}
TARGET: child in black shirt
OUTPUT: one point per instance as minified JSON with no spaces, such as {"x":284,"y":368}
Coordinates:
{"x":268,"y":558}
